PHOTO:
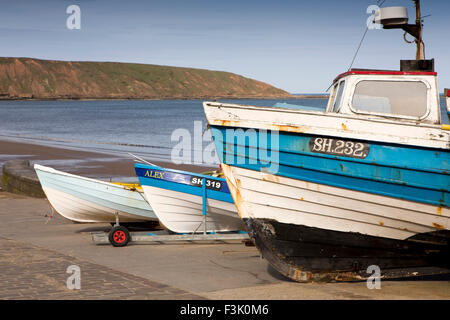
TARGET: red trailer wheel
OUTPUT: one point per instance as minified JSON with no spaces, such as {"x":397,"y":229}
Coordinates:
{"x":119,"y":236}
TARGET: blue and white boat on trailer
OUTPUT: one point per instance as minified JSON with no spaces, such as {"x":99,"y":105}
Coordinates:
{"x":187,"y":202}
{"x":364,"y":183}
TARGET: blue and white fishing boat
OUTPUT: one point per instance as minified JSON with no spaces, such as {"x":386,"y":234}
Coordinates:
{"x":82,"y":199}
{"x":326,"y":194}
{"x":187,"y":202}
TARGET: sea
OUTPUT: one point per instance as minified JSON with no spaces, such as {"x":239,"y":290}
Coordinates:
{"x":149,"y":129}
{"x":146,"y":128}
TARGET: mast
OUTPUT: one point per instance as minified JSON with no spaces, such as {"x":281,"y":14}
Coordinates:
{"x":413,"y":29}
{"x":419,"y":41}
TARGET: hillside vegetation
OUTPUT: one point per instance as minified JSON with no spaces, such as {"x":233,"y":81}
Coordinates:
{"x":27,"y":78}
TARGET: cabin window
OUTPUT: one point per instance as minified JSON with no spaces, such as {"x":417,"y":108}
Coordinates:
{"x":332,"y":98}
{"x":400,"y":98}
{"x":337,"y":101}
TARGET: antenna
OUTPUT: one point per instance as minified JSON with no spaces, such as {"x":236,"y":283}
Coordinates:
{"x":379,"y":3}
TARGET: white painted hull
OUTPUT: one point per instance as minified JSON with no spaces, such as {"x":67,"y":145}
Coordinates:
{"x":79,"y":210}
{"x":83,"y":199}
{"x":327,"y":124}
{"x":265,"y":196}
{"x":183,"y":213}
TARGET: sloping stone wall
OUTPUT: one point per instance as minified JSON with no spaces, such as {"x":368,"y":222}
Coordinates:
{"x":19,"y":177}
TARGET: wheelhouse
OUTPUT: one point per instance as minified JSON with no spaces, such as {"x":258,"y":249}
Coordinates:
{"x":398,"y":95}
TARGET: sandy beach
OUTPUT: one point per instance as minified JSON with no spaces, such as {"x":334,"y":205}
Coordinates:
{"x":86,"y":163}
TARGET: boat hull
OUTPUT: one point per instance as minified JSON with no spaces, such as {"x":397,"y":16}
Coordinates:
{"x":83,"y":199}
{"x":312,"y":232}
{"x":178,"y":203}
{"x":295,"y":201}
{"x":324,"y":177}
{"x":182,"y":213}
{"x":405,"y":172}
{"x":306,"y":254}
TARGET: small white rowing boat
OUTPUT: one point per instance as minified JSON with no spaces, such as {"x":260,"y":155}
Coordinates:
{"x":83,"y":199}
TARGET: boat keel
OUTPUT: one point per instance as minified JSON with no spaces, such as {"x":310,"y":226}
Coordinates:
{"x":306,"y":254}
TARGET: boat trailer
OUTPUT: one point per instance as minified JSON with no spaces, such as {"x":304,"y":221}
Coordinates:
{"x":120,"y":236}
{"x":161,"y":236}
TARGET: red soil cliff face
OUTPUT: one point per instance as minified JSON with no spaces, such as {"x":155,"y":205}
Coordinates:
{"x":26,"y":78}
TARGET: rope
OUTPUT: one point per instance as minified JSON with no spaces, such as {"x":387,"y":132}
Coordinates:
{"x":357,"y":50}
{"x":143,"y":160}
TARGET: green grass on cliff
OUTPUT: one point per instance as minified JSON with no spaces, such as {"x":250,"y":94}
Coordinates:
{"x":33,"y":78}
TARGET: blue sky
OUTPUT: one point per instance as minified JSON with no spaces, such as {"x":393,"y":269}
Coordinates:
{"x":298,"y":46}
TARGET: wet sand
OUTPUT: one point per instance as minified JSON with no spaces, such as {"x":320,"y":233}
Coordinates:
{"x":86,"y":163}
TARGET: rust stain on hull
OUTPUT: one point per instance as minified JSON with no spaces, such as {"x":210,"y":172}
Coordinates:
{"x":234,"y":188}
{"x":226,"y":123}
{"x":270,"y":178}
{"x":237,"y":123}
{"x":438,"y":226}
{"x":288,"y":128}
{"x":307,"y":276}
